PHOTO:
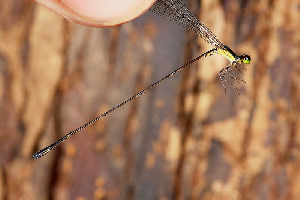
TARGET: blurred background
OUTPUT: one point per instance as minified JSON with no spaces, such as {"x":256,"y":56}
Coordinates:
{"x":185,"y":139}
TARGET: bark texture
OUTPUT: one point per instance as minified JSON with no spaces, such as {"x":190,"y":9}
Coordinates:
{"x":183,"y":140}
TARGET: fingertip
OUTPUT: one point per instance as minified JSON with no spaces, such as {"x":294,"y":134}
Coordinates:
{"x":100,"y":13}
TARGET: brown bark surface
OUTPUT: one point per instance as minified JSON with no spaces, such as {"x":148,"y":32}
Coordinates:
{"x":183,"y":140}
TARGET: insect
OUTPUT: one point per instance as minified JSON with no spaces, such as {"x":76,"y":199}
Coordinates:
{"x":175,"y":11}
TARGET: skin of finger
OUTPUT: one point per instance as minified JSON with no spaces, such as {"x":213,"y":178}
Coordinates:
{"x":100,"y":13}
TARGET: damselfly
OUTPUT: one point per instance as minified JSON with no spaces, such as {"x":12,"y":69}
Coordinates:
{"x":176,"y":11}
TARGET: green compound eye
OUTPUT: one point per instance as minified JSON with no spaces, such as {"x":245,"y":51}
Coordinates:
{"x":245,"y":58}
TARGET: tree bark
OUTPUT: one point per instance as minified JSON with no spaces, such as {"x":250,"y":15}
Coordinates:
{"x":185,"y":139}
